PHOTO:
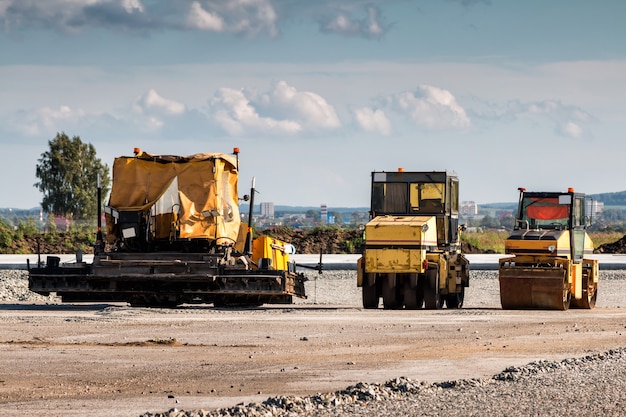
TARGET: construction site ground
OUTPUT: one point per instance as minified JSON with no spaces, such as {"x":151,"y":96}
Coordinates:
{"x":110,"y":359}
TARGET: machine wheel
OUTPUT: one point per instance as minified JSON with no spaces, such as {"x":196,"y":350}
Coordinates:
{"x":567,"y":297}
{"x":590,"y":294}
{"x":455,"y":300}
{"x":370,"y":295}
{"x":413,"y":296}
{"x":421,"y":285}
{"x":432,"y":298}
{"x":390,"y":298}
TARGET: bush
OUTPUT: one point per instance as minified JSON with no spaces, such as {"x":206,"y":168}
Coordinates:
{"x":6,"y":236}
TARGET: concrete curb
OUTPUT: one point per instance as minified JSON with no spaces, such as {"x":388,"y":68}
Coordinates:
{"x":330,"y":262}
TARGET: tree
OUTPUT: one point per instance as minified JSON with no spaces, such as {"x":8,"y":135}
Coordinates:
{"x":68,"y":177}
{"x":490,"y":222}
{"x":313,"y":214}
{"x":338,"y":217}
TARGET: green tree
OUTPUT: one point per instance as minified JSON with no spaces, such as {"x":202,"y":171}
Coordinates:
{"x":490,"y":222}
{"x":68,"y":176}
{"x":338,"y":217}
{"x":313,"y":214}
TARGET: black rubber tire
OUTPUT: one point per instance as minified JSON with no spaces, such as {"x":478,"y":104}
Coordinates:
{"x":421,"y":286}
{"x":455,"y":300}
{"x":413,"y":296}
{"x":370,"y":295}
{"x":389,"y":293}
{"x":432,"y":299}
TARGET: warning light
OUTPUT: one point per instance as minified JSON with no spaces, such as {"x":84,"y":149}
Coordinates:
{"x":570,"y":190}
{"x":400,"y":169}
{"x":235,"y":151}
{"x":136,"y":151}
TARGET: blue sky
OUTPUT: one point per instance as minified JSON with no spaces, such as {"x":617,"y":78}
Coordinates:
{"x":317,"y":94}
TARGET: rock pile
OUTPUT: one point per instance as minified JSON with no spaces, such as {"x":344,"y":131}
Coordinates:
{"x":591,"y":385}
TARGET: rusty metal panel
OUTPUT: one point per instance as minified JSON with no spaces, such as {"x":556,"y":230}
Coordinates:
{"x":527,"y":288}
{"x":394,"y":260}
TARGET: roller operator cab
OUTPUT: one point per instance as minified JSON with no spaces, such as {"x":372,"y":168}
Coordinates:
{"x":550,"y":266}
{"x":412,"y":255}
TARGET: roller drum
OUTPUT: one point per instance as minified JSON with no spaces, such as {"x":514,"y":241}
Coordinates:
{"x":534,"y":288}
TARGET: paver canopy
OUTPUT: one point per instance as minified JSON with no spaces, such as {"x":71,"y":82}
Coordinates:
{"x":192,"y":196}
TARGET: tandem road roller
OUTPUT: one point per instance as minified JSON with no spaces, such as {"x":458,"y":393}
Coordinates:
{"x":412,"y":255}
{"x":550,"y":267}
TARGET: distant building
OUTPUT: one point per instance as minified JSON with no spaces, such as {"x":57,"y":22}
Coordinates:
{"x":468,"y":208}
{"x":593,"y":207}
{"x":267,"y":210}
{"x":324,"y":213}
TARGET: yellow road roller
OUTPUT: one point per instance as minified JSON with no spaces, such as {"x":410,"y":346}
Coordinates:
{"x":412,"y":255}
{"x":550,"y":267}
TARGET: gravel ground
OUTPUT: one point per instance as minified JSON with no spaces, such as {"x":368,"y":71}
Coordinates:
{"x":592,"y":385}
{"x":338,"y":287}
{"x":588,"y":386}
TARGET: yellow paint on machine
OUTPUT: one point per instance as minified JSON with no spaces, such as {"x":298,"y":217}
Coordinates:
{"x":270,"y":248}
{"x":403,"y":241}
{"x":561,"y":244}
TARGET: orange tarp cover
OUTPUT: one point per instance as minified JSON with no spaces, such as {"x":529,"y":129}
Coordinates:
{"x":206,"y":182}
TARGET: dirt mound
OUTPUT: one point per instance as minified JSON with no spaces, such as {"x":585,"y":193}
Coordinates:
{"x":327,"y":240}
{"x":469,"y":248}
{"x":615,"y":247}
{"x":333,"y":241}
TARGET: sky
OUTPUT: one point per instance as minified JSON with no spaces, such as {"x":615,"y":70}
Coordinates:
{"x":318,"y":94}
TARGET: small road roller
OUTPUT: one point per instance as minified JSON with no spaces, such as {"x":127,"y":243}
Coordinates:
{"x":550,"y":267}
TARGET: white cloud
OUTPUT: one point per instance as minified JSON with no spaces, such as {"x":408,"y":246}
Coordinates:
{"x":233,"y":111}
{"x":242,"y":17}
{"x":157,"y":112}
{"x":250,"y":17}
{"x":204,"y":20}
{"x":153,"y":102}
{"x":45,"y":119}
{"x":374,"y":26}
{"x":133,"y":5}
{"x":373,"y":120}
{"x":254,"y":16}
{"x":281,"y":110}
{"x":430,"y":107}
{"x":572,"y":130}
{"x":72,"y":16}
{"x":310,"y":109}
{"x":343,"y":22}
{"x":568,"y":120}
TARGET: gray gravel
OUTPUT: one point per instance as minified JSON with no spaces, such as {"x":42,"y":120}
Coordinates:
{"x":593,"y":385}
{"x":588,"y":386}
{"x":14,"y":288}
